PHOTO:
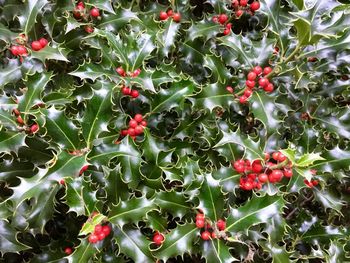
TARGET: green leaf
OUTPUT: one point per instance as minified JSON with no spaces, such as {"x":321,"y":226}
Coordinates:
{"x":126,"y":153}
{"x":308,"y":159}
{"x":98,"y":112}
{"x":203,"y":29}
{"x":217,"y":251}
{"x":10,"y":73}
{"x":219,"y":72}
{"x":35,"y":85}
{"x":51,"y":53}
{"x":84,"y":252}
{"x":209,"y":194}
{"x":89,"y":225}
{"x":60,"y":128}
{"x":132,"y":243}
{"x":166,"y":37}
{"x":130,"y":211}
{"x":30,"y":13}
{"x":173,"y":202}
{"x":167,"y":99}
{"x":257,"y":210}
{"x":178,"y":241}
{"x":8,"y":239}
{"x":11,"y":141}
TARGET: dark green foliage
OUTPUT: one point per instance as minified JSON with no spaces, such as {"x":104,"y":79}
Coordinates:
{"x":181,"y":164}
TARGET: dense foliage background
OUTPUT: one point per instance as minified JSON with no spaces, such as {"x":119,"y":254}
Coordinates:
{"x":70,"y":111}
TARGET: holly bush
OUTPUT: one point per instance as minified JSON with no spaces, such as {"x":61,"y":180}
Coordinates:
{"x":174,"y":131}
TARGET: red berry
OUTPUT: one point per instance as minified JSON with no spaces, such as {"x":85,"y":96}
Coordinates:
{"x":106,"y":230}
{"x":124,"y":132}
{"x":170,"y":12}
{"x":77,"y":12}
{"x":222,"y":19}
{"x":206,"y":235}
{"x":143,"y":123}
{"x":62,"y":182}
{"x":248,"y":186}
{"x":163,"y":15}
{"x":139,"y":129}
{"x":16,"y":112}
{"x":267,"y":70}
{"x":136,"y":73}
{"x":281,"y":157}
{"x":243,"y":99}
{"x":68,"y":250}
{"x":240,"y":168}
{"x":308,"y":184}
{"x":177,"y":17}
{"x":251,"y":176}
{"x":158,"y":239}
{"x":126,"y":91}
{"x":89,"y":29}
{"x":263,"y":82}
{"x":263,"y":178}
{"x":256,"y":166}
{"x":287,"y":173}
{"x":94,"y":12}
{"x":257,"y":70}
{"x":267,"y":156}
{"x":22,"y":51}
{"x":254,"y":6}
{"x":20,"y":120}
{"x":269,"y":87}
{"x":83,"y":169}
{"x":131,"y":132}
{"x":275,"y":156}
{"x":227,"y":31}
{"x":43,"y":42}
{"x":138,"y":118}
{"x":34,"y":128}
{"x":248,"y":92}
{"x":243,"y":2}
{"x":221,"y":224}
{"x":235,"y":3}
{"x":134,"y":94}
{"x":101,"y":236}
{"x":120,"y":71}
{"x":14,"y":50}
{"x":36,"y":46}
{"x":213,"y":235}
{"x":133,"y":123}
{"x":200,"y":223}
{"x":239,"y":13}
{"x":81,"y":4}
{"x":229,"y":26}
{"x":98,"y":229}
{"x":215,"y":19}
{"x":93,"y":238}
{"x":276,"y":175}
{"x":251,"y":76}
{"x":250,"y":83}
{"x":200,"y":216}
{"x":229,"y":89}
{"x":314,"y":182}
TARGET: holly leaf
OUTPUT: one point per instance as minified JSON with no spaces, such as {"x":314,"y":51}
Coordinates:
{"x":51,"y":53}
{"x":217,"y":251}
{"x":167,"y":36}
{"x":130,"y":211}
{"x":173,"y":202}
{"x":132,"y":243}
{"x":179,"y":241}
{"x":10,"y":73}
{"x":309,"y":158}
{"x":8,"y":239}
{"x":166,"y":99}
{"x":209,"y":194}
{"x":257,"y":210}
{"x":203,"y":29}
{"x":30,"y":12}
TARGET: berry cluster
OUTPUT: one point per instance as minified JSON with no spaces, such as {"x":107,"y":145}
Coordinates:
{"x":122,"y":72}
{"x":165,"y":15}
{"x":263,"y":82}
{"x":158,"y":238}
{"x":223,"y":19}
{"x":29,"y":129}
{"x":130,"y":92}
{"x":208,"y":230}
{"x":80,"y":13}
{"x":136,"y":126}
{"x":39,"y":44}
{"x":100,"y":233}
{"x":19,"y":50}
{"x":311,"y":183}
{"x":241,"y":6}
{"x":256,"y":173}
